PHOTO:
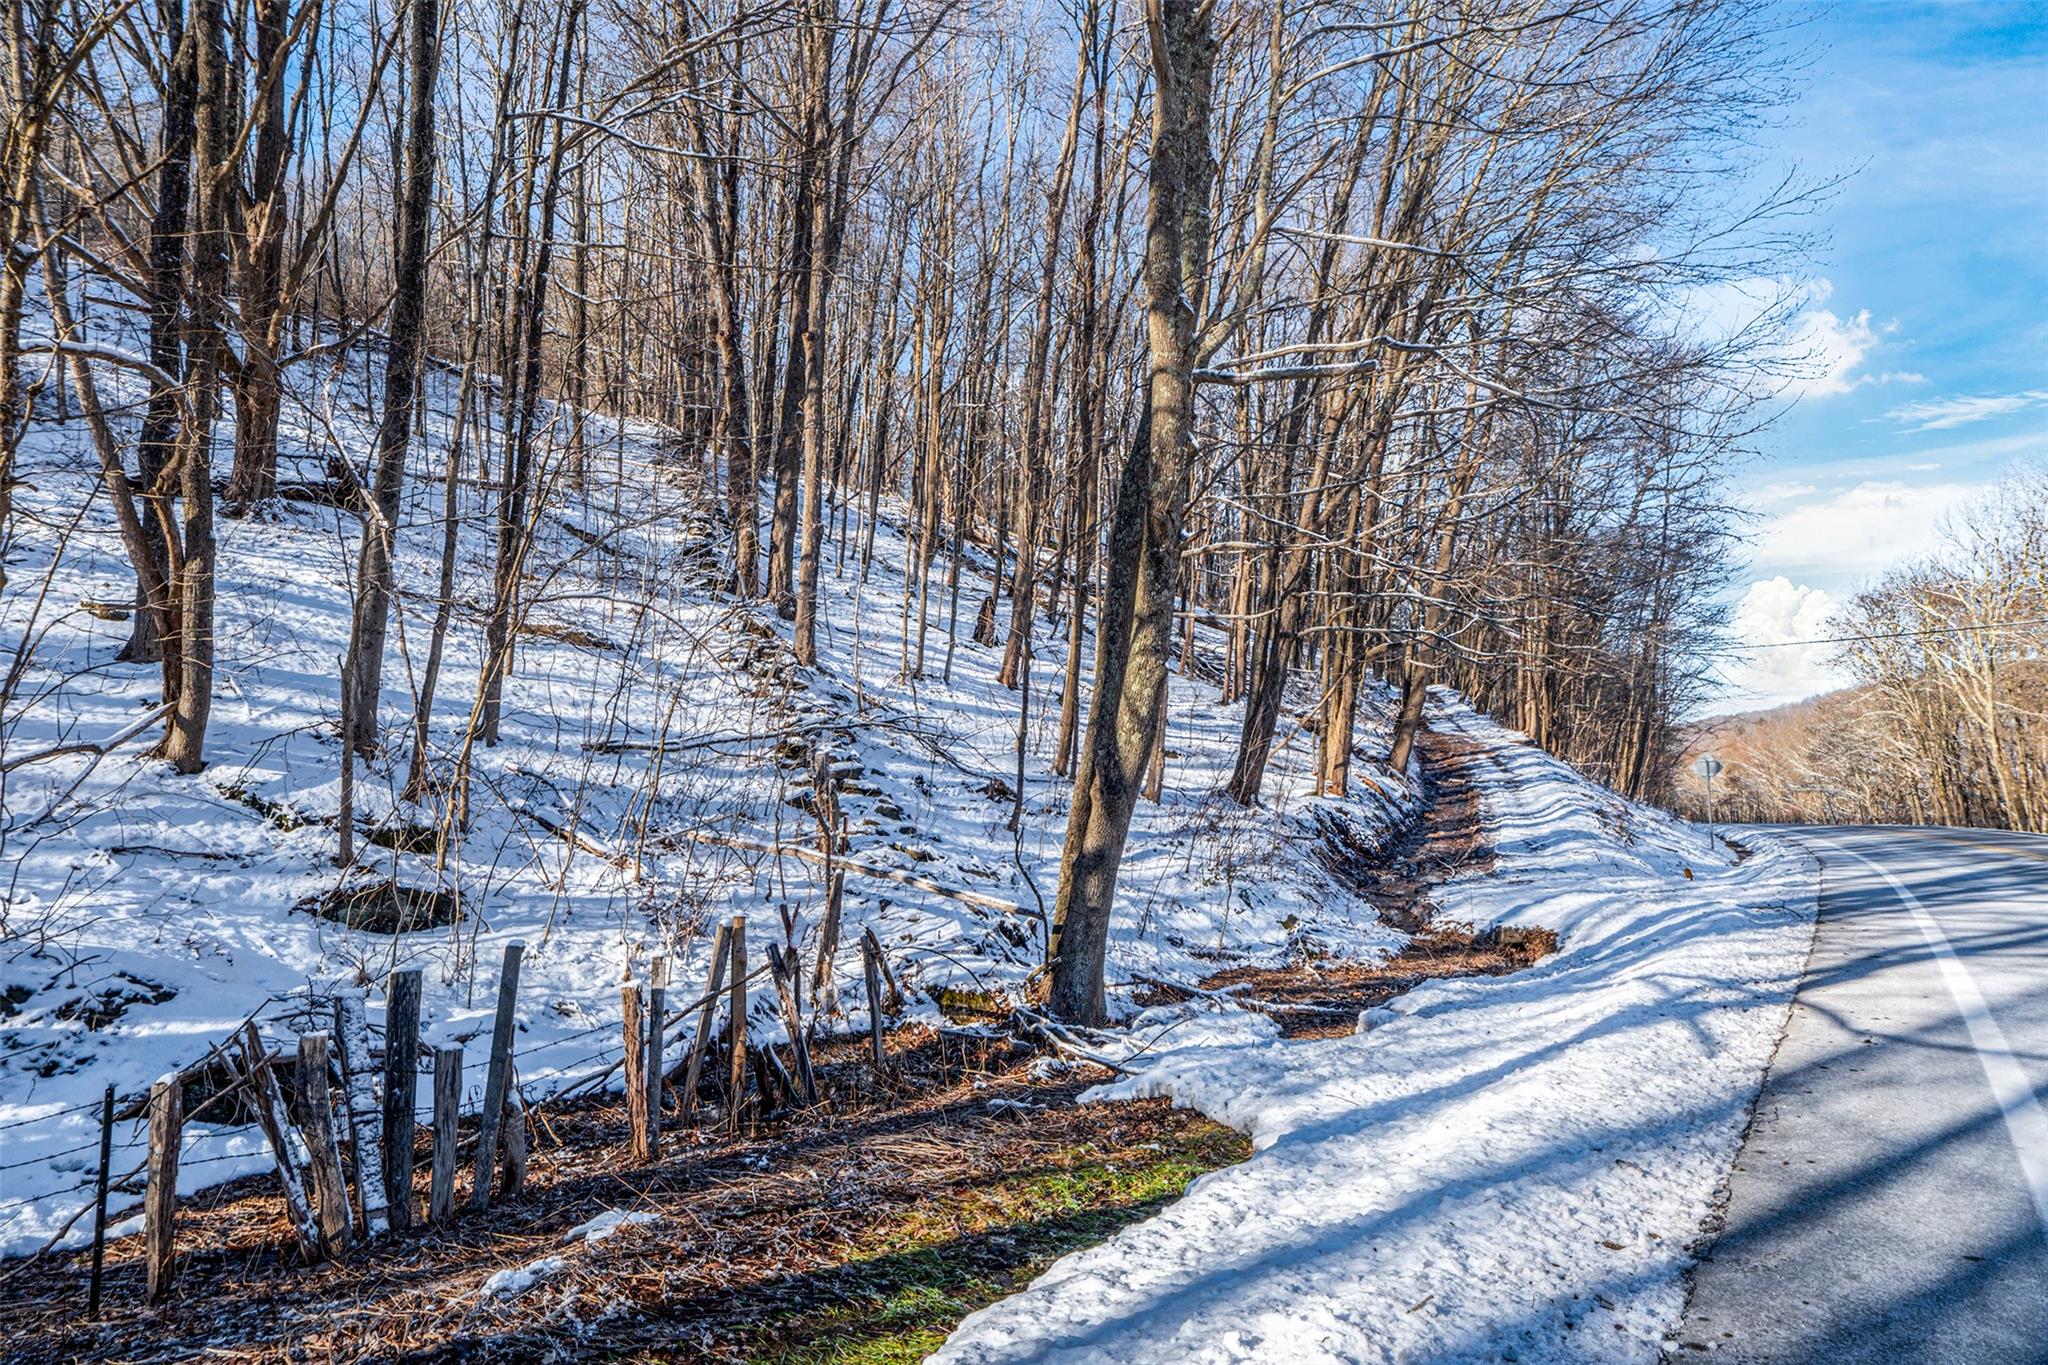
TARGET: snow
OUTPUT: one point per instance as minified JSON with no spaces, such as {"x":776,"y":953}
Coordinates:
{"x":146,"y":915}
{"x":1498,"y":1168}
{"x":518,"y":1279}
{"x":1506,"y":1168}
{"x":606,"y":1223}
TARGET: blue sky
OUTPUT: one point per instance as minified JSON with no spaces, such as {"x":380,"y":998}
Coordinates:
{"x":1926,"y":313}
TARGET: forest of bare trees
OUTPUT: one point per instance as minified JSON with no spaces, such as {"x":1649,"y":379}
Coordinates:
{"x":1946,"y":718}
{"x":1355,"y":331}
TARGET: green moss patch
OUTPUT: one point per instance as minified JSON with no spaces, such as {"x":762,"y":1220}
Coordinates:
{"x":932,"y":1265}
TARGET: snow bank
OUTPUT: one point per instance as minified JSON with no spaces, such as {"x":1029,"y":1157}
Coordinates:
{"x":1509,"y":1168}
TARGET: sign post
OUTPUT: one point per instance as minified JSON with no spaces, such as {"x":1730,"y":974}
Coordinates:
{"x":1706,"y":765}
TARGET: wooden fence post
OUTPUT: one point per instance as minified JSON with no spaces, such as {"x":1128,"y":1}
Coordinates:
{"x":99,"y":1211}
{"x":871,"y":970}
{"x":719,"y":957}
{"x":276,"y":1123}
{"x":401,"y":1091}
{"x":736,"y":1024}
{"x":785,"y":968}
{"x":160,"y":1195}
{"x":497,"y":1078}
{"x":828,"y":938}
{"x":634,"y":1032}
{"x":512,"y":1178}
{"x":894,"y":999}
{"x":447,"y":1113}
{"x":316,"y":1121}
{"x":657,"y":1007}
{"x":365,"y":1117}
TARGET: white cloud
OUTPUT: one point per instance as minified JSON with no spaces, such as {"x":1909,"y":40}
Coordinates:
{"x":1935,"y":414}
{"x":1860,"y":530}
{"x":1829,"y":349}
{"x":1783,"y":492}
{"x":1774,"y":612}
{"x":1807,"y":349}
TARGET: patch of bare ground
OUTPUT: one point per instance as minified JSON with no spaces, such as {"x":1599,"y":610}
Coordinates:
{"x":860,"y":1231}
{"x":1323,"y":998}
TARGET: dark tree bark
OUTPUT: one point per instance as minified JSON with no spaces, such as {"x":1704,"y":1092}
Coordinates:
{"x":258,"y":396}
{"x":403,"y":353}
{"x":184,"y":741}
{"x":157,"y":442}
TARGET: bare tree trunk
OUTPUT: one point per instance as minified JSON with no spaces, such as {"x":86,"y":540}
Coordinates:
{"x":513,"y":529}
{"x":156,"y":444}
{"x":1136,"y":625}
{"x":402,"y":357}
{"x":258,"y":397}
{"x":1031,"y":495}
{"x":184,"y":739}
{"x":32,"y":81}
{"x":823,"y":144}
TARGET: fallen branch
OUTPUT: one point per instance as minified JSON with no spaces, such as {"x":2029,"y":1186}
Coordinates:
{"x":1035,"y":1025}
{"x":811,"y":855}
{"x":98,"y":749}
{"x":1229,"y":996}
{"x":574,"y":837}
{"x":683,"y":746}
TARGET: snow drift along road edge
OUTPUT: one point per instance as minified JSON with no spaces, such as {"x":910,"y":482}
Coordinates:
{"x":1510,"y":1168}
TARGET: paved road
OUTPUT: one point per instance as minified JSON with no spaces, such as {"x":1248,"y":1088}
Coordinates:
{"x":1890,"y":1202}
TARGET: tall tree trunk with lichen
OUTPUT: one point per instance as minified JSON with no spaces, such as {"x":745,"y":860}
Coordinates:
{"x":1135,"y":628}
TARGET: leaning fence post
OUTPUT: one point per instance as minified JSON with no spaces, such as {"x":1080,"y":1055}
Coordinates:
{"x":719,"y":956}
{"x":285,"y":1146}
{"x":99,"y":1211}
{"x":512,"y":1178}
{"x":788,"y":973}
{"x":657,"y":1006}
{"x":316,"y":1121}
{"x":828,"y":940}
{"x":634,"y":1031}
{"x":160,"y":1195}
{"x":365,"y":1118}
{"x":497,"y":1077}
{"x":447,"y":1114}
{"x":401,"y":1091}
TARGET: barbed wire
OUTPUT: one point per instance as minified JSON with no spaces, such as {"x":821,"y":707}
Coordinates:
{"x":45,"y":1118}
{"x":41,"y":1157}
{"x":48,"y":1194}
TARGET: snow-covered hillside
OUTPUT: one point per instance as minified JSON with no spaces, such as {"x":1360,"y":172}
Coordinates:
{"x":1504,"y":1168}
{"x":662,"y":722}
{"x":1500,"y":1168}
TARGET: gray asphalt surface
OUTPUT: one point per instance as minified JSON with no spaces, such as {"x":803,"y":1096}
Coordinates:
{"x":1890,"y":1202}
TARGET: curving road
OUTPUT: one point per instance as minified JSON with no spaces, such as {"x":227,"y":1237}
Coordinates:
{"x":1890,"y":1202}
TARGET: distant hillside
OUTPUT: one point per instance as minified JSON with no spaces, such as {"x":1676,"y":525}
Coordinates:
{"x":1843,"y":757}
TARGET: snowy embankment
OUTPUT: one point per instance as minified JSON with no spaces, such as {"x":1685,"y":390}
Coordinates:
{"x":1506,"y":1168}
{"x":145,"y":915}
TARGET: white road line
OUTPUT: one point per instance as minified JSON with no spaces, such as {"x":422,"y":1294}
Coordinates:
{"x":2024,"y":1120}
